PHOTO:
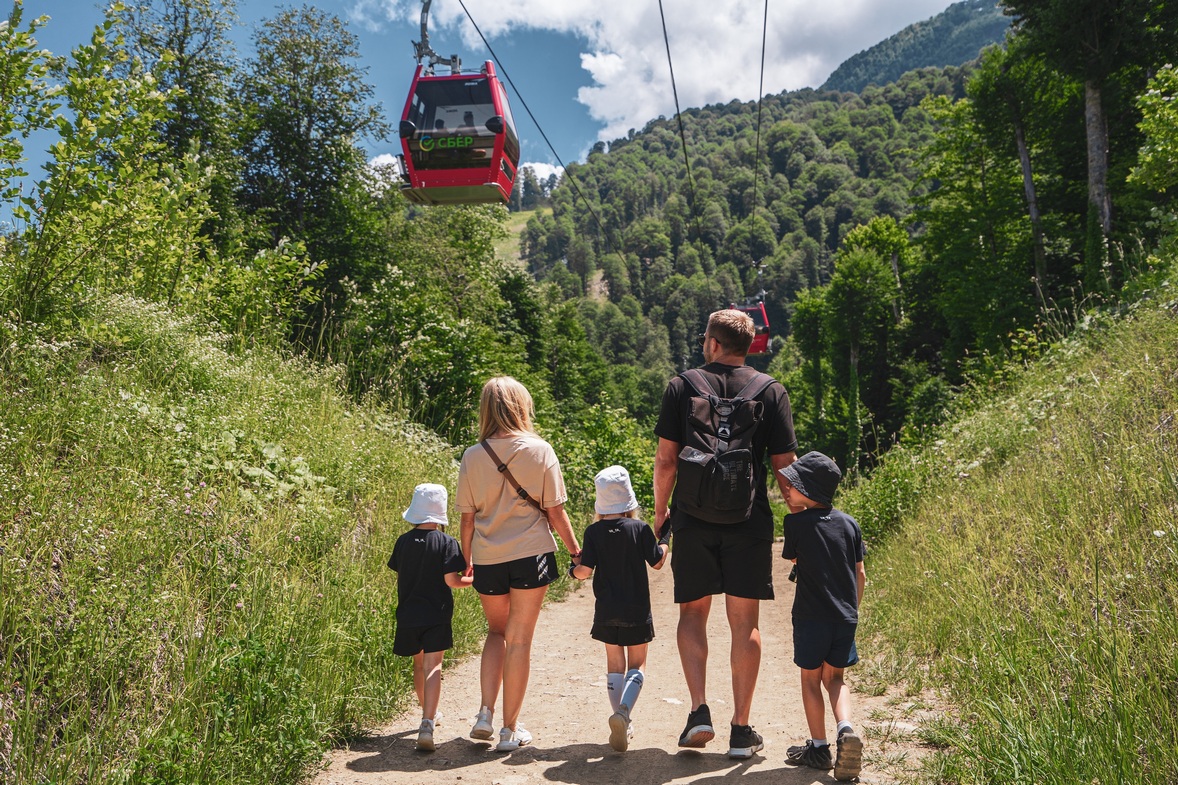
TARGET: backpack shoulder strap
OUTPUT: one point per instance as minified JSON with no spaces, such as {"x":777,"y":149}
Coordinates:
{"x":698,"y":382}
{"x":756,"y":385}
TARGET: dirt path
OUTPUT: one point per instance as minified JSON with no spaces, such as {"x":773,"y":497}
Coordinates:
{"x":566,"y":710}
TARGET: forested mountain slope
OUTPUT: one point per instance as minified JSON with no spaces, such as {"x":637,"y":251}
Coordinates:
{"x":903,"y":239}
{"x":952,"y":37}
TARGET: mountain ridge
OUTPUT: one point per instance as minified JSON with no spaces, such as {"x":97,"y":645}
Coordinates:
{"x":953,"y":37}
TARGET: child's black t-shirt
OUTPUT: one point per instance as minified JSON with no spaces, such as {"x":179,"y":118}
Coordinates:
{"x":618,"y":550}
{"x":827,"y":544}
{"x":421,"y":559}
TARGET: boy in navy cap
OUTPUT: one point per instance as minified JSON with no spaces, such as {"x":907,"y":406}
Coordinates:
{"x":428,"y":564}
{"x":827,"y":547}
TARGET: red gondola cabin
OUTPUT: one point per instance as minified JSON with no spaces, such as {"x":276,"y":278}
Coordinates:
{"x":458,"y":139}
{"x":756,"y":312}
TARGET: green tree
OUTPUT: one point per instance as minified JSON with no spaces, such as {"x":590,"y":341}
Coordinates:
{"x":1093,"y":41}
{"x":858,"y":298}
{"x":186,"y":45}
{"x":1157,"y":166}
{"x":305,"y":107}
{"x":27,"y":99}
{"x":109,"y":215}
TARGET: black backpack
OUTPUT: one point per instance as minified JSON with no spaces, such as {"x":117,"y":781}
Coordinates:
{"x":715,"y":480}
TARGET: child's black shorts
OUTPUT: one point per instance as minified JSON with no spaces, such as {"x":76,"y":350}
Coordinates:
{"x":412,"y":640}
{"x":617,"y":635}
{"x":530,"y":572}
{"x":818,"y":641}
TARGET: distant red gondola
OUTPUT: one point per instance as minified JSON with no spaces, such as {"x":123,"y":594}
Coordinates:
{"x":457,"y":134}
{"x":756,"y":312}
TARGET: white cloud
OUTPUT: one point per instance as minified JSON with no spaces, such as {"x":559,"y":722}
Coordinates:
{"x":542,"y":171}
{"x":715,"y":44}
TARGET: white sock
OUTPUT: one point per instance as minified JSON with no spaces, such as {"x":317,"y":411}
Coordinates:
{"x":844,"y":726}
{"x":632,"y":689}
{"x":820,"y":742}
{"x":614,"y":682}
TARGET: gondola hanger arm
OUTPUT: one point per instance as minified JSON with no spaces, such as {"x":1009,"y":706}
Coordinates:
{"x":423,"y":50}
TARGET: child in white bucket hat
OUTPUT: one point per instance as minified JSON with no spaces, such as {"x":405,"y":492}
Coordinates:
{"x":616,"y":549}
{"x":428,"y":564}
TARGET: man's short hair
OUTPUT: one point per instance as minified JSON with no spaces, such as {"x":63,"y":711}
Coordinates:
{"x":733,"y":329}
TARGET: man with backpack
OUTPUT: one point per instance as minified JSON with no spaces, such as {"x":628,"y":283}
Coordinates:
{"x":715,"y":427}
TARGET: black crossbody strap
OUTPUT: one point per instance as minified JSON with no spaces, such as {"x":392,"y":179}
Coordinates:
{"x":502,"y":467}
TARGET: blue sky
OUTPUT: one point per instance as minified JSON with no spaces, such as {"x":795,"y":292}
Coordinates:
{"x":589,"y":69}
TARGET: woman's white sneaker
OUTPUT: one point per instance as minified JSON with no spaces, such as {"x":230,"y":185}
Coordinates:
{"x":513,"y":739}
{"x":483,"y":729}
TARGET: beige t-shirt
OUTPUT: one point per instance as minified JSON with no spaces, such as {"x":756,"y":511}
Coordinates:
{"x":507,"y":527}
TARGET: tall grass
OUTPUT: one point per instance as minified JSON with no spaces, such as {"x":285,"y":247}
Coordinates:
{"x":1031,"y":565}
{"x":192,"y":555}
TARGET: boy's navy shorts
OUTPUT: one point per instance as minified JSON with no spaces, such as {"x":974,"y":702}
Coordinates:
{"x":530,"y":572}
{"x":413,"y":640}
{"x":622,"y":635}
{"x":816,"y":642}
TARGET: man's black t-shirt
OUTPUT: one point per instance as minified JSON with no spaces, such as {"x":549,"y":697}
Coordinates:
{"x":827,"y":544}
{"x":421,"y":559}
{"x":774,"y":435}
{"x":618,"y":550}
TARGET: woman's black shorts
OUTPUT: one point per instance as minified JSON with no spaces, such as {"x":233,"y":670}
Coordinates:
{"x":530,"y":572}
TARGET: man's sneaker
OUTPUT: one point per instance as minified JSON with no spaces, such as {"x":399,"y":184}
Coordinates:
{"x":849,"y":759}
{"x":809,"y":755}
{"x":744,"y":741}
{"x":620,"y":731}
{"x":513,"y":739}
{"x":425,"y":736}
{"x":699,"y":730}
{"x":483,"y":729}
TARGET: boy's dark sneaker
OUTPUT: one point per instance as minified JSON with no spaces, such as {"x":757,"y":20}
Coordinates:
{"x":699,"y":730}
{"x":809,"y":755}
{"x":744,"y":741}
{"x":849,"y":759}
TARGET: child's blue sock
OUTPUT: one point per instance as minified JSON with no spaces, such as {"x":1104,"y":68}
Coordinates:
{"x":632,"y":688}
{"x":614,"y":682}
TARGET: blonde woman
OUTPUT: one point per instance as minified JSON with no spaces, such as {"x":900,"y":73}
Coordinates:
{"x":511,"y":497}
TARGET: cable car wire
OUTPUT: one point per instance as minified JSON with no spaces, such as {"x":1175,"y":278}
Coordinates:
{"x":539,"y":128}
{"x":679,"y":117}
{"x":760,"y":105}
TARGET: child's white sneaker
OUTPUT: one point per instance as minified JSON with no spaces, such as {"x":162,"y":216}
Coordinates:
{"x":483,"y":729}
{"x":425,"y":736}
{"x":513,"y":739}
{"x":620,"y":730}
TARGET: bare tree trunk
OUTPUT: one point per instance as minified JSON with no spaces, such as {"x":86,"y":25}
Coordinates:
{"x":897,"y":307}
{"x":1024,"y":157}
{"x":1097,"y":131}
{"x":1100,"y":219}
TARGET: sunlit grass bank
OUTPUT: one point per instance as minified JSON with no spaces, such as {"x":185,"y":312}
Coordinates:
{"x":1032,"y":572}
{"x":192,"y":556}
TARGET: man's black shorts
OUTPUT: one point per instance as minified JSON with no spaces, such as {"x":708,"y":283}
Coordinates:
{"x":530,"y":572}
{"x":411,"y":640}
{"x":708,"y":560}
{"x":619,"y":635}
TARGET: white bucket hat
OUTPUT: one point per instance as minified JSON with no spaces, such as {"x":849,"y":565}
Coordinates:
{"x":615,"y":495}
{"x":428,"y":505}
